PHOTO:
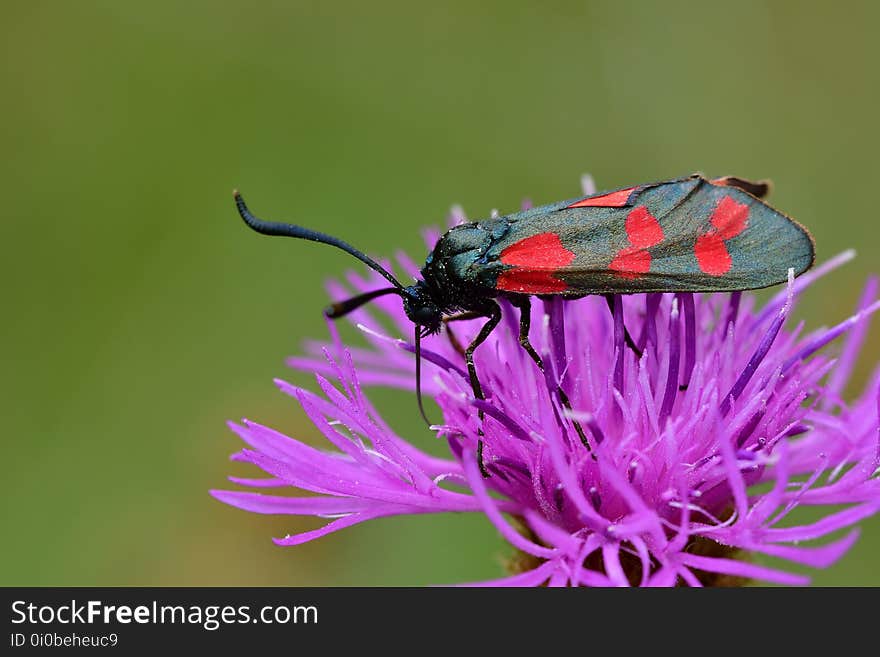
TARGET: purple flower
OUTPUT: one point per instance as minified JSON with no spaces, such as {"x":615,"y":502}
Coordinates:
{"x":698,"y":450}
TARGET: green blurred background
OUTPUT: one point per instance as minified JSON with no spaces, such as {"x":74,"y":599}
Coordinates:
{"x":139,"y":315}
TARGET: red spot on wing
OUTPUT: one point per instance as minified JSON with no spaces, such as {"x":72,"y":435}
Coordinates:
{"x":642,"y":228}
{"x":643,"y":231}
{"x":541,"y":251}
{"x":712,"y":255}
{"x":529,"y":282}
{"x":534,"y":260}
{"x":613,"y":200}
{"x":728,"y":220}
{"x":631,"y":262}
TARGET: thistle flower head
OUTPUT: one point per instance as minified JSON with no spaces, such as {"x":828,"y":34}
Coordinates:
{"x":673,"y":460}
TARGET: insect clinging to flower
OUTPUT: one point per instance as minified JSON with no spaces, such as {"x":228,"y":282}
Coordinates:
{"x":702,"y":434}
{"x":690,"y":234}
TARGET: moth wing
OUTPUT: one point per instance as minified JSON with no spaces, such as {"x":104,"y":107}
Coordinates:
{"x":683,"y":235}
{"x":723,"y":238}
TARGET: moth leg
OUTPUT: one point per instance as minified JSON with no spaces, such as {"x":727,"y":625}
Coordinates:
{"x":525,"y":323}
{"x":470,"y":314}
{"x":450,"y":335}
{"x":609,"y":298}
{"x":494,"y":314}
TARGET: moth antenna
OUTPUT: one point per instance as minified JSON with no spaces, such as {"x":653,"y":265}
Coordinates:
{"x":342,"y":308}
{"x":291,"y":230}
{"x":418,"y":344}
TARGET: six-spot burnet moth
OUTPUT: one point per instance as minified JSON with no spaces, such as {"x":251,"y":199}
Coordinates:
{"x":684,"y":235}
